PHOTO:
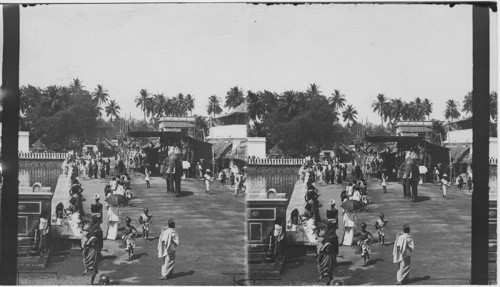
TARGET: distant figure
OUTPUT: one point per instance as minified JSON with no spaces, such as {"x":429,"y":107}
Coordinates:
{"x":403,"y":249}
{"x":208,"y":180}
{"x":199,"y":168}
{"x":96,"y":208}
{"x":186,"y":166}
{"x":147,"y":176}
{"x":445,"y":184}
{"x":43,"y":231}
{"x":384,"y":182}
{"x":279,"y":239}
{"x":232,"y":178}
{"x":333,"y":214}
{"x":167,"y":245}
{"x":460,"y":183}
{"x":381,"y":225}
{"x":423,"y":171}
{"x":145,"y":220}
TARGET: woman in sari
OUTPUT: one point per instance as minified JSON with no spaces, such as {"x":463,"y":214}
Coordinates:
{"x":92,"y":249}
{"x":325,"y":263}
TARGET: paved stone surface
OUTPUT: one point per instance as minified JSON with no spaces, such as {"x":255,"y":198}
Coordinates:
{"x":441,"y":230}
{"x":211,"y":229}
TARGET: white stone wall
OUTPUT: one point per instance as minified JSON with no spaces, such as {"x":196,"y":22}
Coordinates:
{"x":230,"y":131}
{"x":460,"y":136}
{"x":256,"y":146}
{"x":24,"y":141}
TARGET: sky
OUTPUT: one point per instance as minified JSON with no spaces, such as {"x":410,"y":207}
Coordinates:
{"x":402,"y":51}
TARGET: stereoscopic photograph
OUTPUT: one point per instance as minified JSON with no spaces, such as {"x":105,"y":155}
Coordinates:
{"x":249,"y":144}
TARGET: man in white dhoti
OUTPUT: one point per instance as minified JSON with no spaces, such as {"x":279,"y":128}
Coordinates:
{"x":403,"y":248}
{"x":113,"y":219}
{"x":350,"y":219}
{"x":167,"y":244}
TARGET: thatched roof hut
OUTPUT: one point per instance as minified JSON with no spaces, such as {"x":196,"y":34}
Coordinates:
{"x":276,"y":152}
{"x":38,"y":146}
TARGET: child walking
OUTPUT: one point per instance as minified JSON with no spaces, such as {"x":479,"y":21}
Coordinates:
{"x":381,"y":225}
{"x":445,"y":184}
{"x":147,"y":176}
{"x":129,"y":233}
{"x":384,"y":182}
{"x":145,"y":220}
{"x":365,"y":238}
{"x":208,"y":180}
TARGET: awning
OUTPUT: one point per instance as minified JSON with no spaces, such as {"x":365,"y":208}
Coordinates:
{"x":458,"y":152}
{"x":240,"y":152}
{"x":221,"y":148}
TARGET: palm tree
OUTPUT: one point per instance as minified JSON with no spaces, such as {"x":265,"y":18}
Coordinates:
{"x":349,"y":115}
{"x":418,"y":109}
{"x":396,"y":110}
{"x":100,"y":95}
{"x":380,"y":106}
{"x":169,"y":106}
{"x":76,"y":86}
{"x":451,"y":111}
{"x":159,"y":105}
{"x":493,"y":105}
{"x":255,"y":105}
{"x":288,"y":104}
{"x":234,"y":97}
{"x":113,"y":110}
{"x":427,"y":106}
{"x":189,"y":104}
{"x":142,"y":101}
{"x":337,"y":100}
{"x":467,"y":108}
{"x":407,"y":111}
{"x":52,"y":99}
{"x":313,"y":90}
{"x":150,"y":107}
{"x":213,"y":106}
{"x":180,"y":105}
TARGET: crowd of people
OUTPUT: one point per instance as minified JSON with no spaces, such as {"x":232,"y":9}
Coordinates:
{"x":322,"y":231}
{"x":87,"y":223}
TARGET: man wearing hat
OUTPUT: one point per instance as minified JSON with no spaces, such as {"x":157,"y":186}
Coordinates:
{"x":96,"y":208}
